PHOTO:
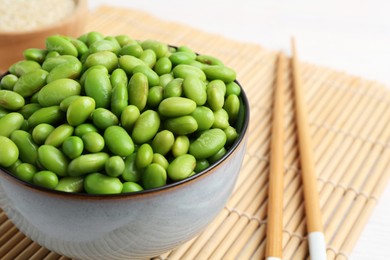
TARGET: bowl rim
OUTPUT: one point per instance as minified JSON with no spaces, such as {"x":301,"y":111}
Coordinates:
{"x":80,"y":6}
{"x":149,"y":192}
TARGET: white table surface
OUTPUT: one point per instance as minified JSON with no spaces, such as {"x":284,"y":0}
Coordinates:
{"x":351,"y":36}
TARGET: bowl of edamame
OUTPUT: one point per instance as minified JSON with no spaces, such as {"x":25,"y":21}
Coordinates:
{"x":115,"y":148}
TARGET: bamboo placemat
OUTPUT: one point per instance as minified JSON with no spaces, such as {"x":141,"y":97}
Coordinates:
{"x":350,"y":123}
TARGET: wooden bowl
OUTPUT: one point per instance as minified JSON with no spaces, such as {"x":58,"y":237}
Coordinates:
{"x":12,"y":44}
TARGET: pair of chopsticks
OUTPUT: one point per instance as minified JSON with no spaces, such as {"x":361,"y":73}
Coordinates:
{"x":316,"y":239}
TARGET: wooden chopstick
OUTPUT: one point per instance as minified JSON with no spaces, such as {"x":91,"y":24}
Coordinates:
{"x":274,"y":246}
{"x":314,"y":224}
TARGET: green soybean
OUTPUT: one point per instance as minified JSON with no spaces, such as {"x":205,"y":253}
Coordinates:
{"x":131,"y":187}
{"x":28,"y":149}
{"x":28,"y":109}
{"x":93,"y":142}
{"x":125,"y":40}
{"x":106,"y":58}
{"x":163,"y":141}
{"x":160,"y":49}
{"x":163,"y":66}
{"x":146,"y":127}
{"x":11,"y":100}
{"x":181,"y":167}
{"x":114,"y":166}
{"x":9,"y":152}
{"x":98,"y":86}
{"x":165,"y":79}
{"x":174,"y":88}
{"x":98,"y":183}
{"x":80,"y":110}
{"x":70,"y":184}
{"x":50,"y":115}
{"x":129,"y":116}
{"x":215,"y":98}
{"x":176,"y":106}
{"x":133,"y":49}
{"x":53,"y":159}
{"x":87,"y":163}
{"x":103,"y":118}
{"x":30,"y":82}
{"x":59,"y":134}
{"x":204,"y":116}
{"x":195,"y":89}
{"x":138,"y":89}
{"x":105,"y":45}
{"x":46,"y":179}
{"x":10,"y":122}
{"x":232,"y":107}
{"x":73,"y":147}
{"x":160,"y":159}
{"x":118,"y":141}
{"x":184,"y":70}
{"x":80,"y":130}
{"x":131,"y":172}
{"x":69,"y":70}
{"x":61,"y":45}
{"x":209,"y":60}
{"x":221,"y":72}
{"x":25,"y":172}
{"x":22,"y":67}
{"x":144,"y":156}
{"x":233,"y":88}
{"x":120,"y":95}
{"x":221,"y":119}
{"x":180,"y":145}
{"x":128,"y":63}
{"x":54,"y":92}
{"x":208,"y":143}
{"x":8,"y":81}
{"x":151,"y":75}
{"x":81,"y":47}
{"x":231,"y":134}
{"x":155,"y":96}
{"x":35,"y":54}
{"x":182,"y":125}
{"x":201,"y":165}
{"x":218,"y":155}
{"x":41,"y":132}
{"x":92,"y":37}
{"x":154,"y":176}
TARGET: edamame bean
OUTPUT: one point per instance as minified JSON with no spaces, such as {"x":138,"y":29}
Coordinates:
{"x":181,"y":145}
{"x":53,"y":159}
{"x":180,"y":57}
{"x":131,"y":172}
{"x":223,"y":73}
{"x":61,"y":45}
{"x":95,"y":67}
{"x":144,"y":156}
{"x":59,"y":134}
{"x":184,"y":70}
{"x":118,"y":141}
{"x":120,"y":95}
{"x":64,"y":105}
{"x":146,"y":127}
{"x":201,"y":165}
{"x":73,"y":147}
{"x":163,"y":141}
{"x":182,"y":125}
{"x":154,"y":176}
{"x":87,"y":163}
{"x":181,"y":167}
{"x":70,"y":184}
{"x":106,"y":58}
{"x":160,"y":159}
{"x":11,"y":100}
{"x":52,"y":61}
{"x":9,"y":152}
{"x":232,"y":107}
{"x":133,"y":49}
{"x":3,"y":112}
{"x":29,"y":109}
{"x":160,"y":49}
{"x":219,"y":84}
{"x":103,"y":118}
{"x":151,"y":75}
{"x":209,"y":60}
{"x":128,"y":63}
{"x":125,"y":40}
{"x":28,"y":149}
{"x":215,"y":98}
{"x":8,"y":81}
{"x":176,"y":106}
{"x":81,"y":47}
{"x":10,"y":122}
{"x":97,"y":183}
{"x":173,"y":88}
{"x":155,"y":96}
{"x":98,"y":86}
{"x":131,"y":187}
{"x":163,"y":66}
{"x":54,"y":92}
{"x":93,"y":142}
{"x":69,"y":70}
{"x":80,"y":130}
{"x":233,"y":88}
{"x":80,"y":110}
{"x":165,"y":79}
{"x":195,"y":89}
{"x":138,"y":89}
{"x":92,"y":37}
{"x":208,"y":143}
{"x":25,"y":172}
{"x":114,"y":166}
{"x":231,"y":135}
{"x":129,"y":116}
{"x":41,"y":132}
{"x":204,"y":116}
{"x":218,"y":155}
{"x":50,"y":115}
{"x":105,"y":45}
{"x":221,"y":119}
{"x":24,"y":66}
{"x":186,"y":49}
{"x":46,"y":179}
{"x":35,"y":54}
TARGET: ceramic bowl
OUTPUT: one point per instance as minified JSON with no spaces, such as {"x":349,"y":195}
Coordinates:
{"x":125,"y":226}
{"x":12,"y":44}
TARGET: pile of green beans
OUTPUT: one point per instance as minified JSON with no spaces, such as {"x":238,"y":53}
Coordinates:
{"x":109,"y":114}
